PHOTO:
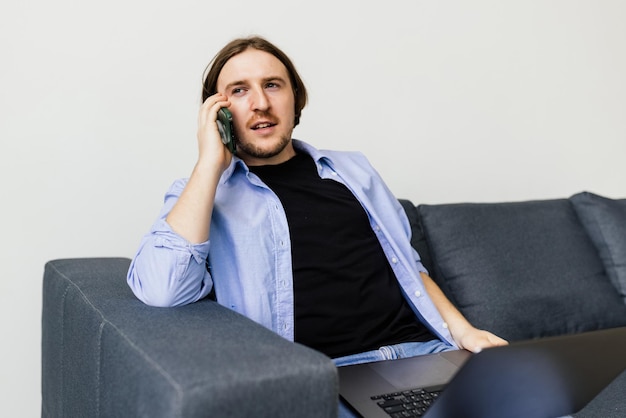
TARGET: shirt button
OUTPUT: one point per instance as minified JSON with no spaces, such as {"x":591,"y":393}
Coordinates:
{"x":445,"y":325}
{"x":394,"y":260}
{"x":418,"y":293}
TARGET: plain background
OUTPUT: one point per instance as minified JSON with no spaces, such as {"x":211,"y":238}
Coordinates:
{"x":452,"y":101}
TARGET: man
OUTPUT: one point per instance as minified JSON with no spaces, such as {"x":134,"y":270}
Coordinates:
{"x":310,"y":244}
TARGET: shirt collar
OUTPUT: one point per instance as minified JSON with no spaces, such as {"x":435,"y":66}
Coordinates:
{"x":321,"y":157}
{"x":237,"y":164}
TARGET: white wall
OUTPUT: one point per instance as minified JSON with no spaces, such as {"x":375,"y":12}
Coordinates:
{"x":451,"y":100}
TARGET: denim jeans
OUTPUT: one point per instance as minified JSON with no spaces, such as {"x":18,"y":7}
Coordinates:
{"x":391,"y":352}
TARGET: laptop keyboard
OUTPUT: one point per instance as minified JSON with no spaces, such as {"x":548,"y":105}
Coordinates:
{"x":408,"y":403}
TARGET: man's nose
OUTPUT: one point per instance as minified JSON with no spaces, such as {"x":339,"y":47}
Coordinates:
{"x":259,"y":100}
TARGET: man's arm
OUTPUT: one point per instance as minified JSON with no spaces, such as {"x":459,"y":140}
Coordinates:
{"x":169,"y":268}
{"x":465,"y":334}
{"x":191,"y":215}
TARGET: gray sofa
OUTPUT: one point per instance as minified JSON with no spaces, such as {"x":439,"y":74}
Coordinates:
{"x":521,"y":269}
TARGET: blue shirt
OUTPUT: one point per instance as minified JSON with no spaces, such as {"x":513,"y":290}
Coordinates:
{"x":247,"y":259}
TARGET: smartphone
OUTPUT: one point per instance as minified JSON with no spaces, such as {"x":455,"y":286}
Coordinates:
{"x":225,"y":126}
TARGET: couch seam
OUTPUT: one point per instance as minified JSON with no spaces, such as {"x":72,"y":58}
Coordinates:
{"x":105,"y":321}
{"x":45,"y":411}
{"x":99,"y":367}
{"x":62,"y":383}
{"x":604,"y":240}
{"x":609,"y":250}
{"x":442,"y":281}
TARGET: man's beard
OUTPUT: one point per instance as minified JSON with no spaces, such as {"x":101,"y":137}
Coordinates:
{"x":255,"y":151}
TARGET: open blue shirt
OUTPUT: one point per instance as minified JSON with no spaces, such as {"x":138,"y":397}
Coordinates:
{"x":247,"y":259}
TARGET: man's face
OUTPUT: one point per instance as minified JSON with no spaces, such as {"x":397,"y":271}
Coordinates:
{"x":262,"y":103}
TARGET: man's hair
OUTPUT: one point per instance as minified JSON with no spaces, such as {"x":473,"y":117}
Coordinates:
{"x":237,"y":46}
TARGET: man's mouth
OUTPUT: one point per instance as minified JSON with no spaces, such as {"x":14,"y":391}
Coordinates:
{"x":262,"y":125}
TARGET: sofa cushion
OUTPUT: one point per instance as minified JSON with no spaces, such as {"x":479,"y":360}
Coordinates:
{"x":605,"y":222}
{"x":522,"y":269}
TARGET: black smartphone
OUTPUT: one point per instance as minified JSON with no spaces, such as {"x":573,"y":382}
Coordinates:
{"x":225,"y":126}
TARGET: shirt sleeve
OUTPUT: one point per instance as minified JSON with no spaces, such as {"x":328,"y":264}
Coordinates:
{"x":167,"y":270}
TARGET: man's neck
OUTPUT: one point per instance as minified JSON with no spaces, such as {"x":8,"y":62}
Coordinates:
{"x":286,"y":154}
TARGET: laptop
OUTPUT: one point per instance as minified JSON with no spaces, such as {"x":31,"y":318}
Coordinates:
{"x":548,"y":377}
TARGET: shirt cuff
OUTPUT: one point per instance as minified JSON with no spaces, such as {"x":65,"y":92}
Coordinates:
{"x":165,"y":237}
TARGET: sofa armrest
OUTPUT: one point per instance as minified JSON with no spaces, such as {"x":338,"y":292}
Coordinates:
{"x":105,"y":353}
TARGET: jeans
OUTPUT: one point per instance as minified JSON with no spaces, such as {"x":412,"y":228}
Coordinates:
{"x":391,"y":352}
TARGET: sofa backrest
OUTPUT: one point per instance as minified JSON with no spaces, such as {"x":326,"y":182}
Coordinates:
{"x":519,"y":269}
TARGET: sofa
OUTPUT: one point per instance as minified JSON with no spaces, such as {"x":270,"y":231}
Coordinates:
{"x":523,"y":270}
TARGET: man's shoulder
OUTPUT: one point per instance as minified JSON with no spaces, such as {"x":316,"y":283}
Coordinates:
{"x":335,"y":156}
{"x":351,"y":161}
{"x":344,"y":155}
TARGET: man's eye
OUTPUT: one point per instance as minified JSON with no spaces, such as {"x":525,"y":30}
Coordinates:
{"x":237,"y":91}
{"x":272,"y":85}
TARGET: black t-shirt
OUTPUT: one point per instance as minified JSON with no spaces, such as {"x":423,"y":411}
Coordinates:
{"x":347,"y":298}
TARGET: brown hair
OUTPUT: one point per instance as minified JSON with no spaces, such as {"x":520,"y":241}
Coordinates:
{"x":238,"y":46}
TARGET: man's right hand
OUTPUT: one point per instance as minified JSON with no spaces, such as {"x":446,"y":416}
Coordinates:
{"x":211,"y":150}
